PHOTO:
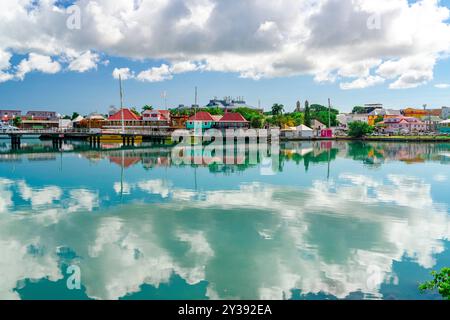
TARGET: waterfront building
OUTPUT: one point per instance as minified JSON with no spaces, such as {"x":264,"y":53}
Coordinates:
{"x":232,"y":120}
{"x":92,"y":121}
{"x":402,"y":125}
{"x":130,"y":120}
{"x":419,"y":113}
{"x":178,"y":122}
{"x":42,"y":115}
{"x":8,"y":115}
{"x":202,"y":120}
{"x":39,"y":124}
{"x":432,"y":122}
{"x":76,"y":123}
{"x":383,"y":113}
{"x":38,"y":120}
{"x":298,"y":132}
{"x":156,"y":119}
{"x":65,"y":124}
{"x":346,"y":118}
{"x":445,"y":114}
{"x":370,"y":107}
{"x":444,"y":126}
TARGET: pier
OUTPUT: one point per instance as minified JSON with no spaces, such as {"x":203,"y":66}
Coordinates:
{"x":127,"y":137}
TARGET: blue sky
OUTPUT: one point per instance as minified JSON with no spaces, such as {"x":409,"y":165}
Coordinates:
{"x":96,"y":89}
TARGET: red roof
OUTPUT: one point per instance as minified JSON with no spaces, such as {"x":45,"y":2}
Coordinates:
{"x":128,"y":115}
{"x":233,"y":117}
{"x":201,"y":116}
{"x":126,"y":162}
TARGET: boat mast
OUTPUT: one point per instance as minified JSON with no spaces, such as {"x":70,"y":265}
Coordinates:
{"x":121,"y":103}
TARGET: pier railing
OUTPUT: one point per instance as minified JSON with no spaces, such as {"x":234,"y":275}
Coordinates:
{"x":146,"y":132}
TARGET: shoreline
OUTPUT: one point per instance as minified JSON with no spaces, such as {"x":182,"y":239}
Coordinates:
{"x":377,"y":139}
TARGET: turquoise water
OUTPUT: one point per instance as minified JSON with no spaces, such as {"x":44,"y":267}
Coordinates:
{"x":331,"y":220}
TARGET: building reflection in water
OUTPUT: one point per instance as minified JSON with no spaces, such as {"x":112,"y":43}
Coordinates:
{"x":255,"y":240}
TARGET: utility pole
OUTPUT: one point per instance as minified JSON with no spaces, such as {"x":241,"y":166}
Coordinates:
{"x":196,"y":99}
{"x":164,"y":96}
{"x":329,"y":113}
{"x":429,"y":119}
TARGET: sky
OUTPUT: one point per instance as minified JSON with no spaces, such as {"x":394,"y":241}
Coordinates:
{"x":67,"y":55}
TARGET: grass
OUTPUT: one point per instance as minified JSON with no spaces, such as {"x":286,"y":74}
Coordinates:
{"x":411,"y":138}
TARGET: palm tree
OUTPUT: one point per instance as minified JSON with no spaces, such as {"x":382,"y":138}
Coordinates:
{"x":277,"y":109}
{"x":147,"y":107}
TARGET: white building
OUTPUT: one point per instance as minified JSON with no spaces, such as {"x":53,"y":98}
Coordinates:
{"x":346,"y":118}
{"x":301,"y":131}
{"x":445,"y":113}
{"x":65,"y":124}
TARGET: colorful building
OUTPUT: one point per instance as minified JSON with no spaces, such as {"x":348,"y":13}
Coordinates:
{"x":92,"y":121}
{"x":402,"y":125}
{"x":130,"y":120}
{"x":202,"y":120}
{"x":419,"y":113}
{"x":444,"y":127}
{"x":42,"y":115}
{"x":346,"y":118}
{"x":382,"y":114}
{"x":8,"y":115}
{"x":232,"y":120}
{"x":156,"y":119}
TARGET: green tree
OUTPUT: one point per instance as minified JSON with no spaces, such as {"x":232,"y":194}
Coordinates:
{"x":75,"y":115}
{"x":248,"y":113}
{"x":441,"y":282}
{"x":17,"y":122}
{"x":379,"y":119}
{"x":298,"y":117}
{"x":257,"y":122}
{"x":359,"y":110}
{"x":277,"y":109}
{"x":215,"y":111}
{"x":135,"y":111}
{"x":359,"y":129}
{"x":308,"y":119}
{"x":147,"y":107}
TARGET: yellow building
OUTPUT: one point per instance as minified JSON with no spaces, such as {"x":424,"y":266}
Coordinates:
{"x":382,"y":114}
{"x":420,"y":113}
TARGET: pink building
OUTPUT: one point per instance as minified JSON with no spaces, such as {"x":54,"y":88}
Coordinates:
{"x":402,"y":124}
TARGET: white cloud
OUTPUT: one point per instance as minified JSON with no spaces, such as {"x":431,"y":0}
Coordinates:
{"x":327,"y":39}
{"x":442,"y":85}
{"x":84,"y":62}
{"x":5,"y":76}
{"x":125,"y":73}
{"x":362,"y":83}
{"x":5,"y":58}
{"x":37,"y":62}
{"x":156,"y":74}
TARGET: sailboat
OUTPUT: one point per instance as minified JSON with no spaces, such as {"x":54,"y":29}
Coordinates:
{"x":118,"y":138}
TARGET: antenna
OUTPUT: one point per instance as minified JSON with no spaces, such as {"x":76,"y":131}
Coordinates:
{"x":196,"y":97}
{"x":164,"y":96}
{"x":121,"y":103}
